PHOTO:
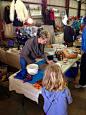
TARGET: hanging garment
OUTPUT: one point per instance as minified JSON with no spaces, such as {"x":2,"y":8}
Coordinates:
{"x":7,"y":14}
{"x":46,"y":16}
{"x":17,"y":22}
{"x":51,"y":14}
{"x":21,"y":11}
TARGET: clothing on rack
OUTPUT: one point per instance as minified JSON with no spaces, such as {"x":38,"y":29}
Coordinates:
{"x":51,"y":12}
{"x":52,"y":22}
{"x":46,"y":16}
{"x":16,"y":22}
{"x":21,"y":11}
{"x":7,"y":14}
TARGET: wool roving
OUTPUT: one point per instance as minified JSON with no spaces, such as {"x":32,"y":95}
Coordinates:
{"x":21,"y":10}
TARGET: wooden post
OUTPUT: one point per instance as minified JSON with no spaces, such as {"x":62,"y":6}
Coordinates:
{"x":67,"y":6}
{"x":79,"y":8}
{"x":44,"y":2}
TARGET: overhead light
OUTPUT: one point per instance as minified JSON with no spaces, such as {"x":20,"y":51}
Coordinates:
{"x":78,"y":0}
{"x":30,"y":20}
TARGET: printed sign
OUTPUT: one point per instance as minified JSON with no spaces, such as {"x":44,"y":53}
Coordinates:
{"x":35,"y":10}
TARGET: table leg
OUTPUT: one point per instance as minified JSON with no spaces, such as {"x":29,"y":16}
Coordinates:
{"x":23,"y":100}
{"x":40,"y":101}
{"x":73,"y":73}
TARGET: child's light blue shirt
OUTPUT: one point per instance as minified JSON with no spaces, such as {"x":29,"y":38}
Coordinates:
{"x":55,"y":103}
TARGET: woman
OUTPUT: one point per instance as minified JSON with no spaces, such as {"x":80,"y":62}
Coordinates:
{"x":34,"y":47}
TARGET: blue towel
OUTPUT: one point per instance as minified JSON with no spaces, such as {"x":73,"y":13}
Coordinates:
{"x":40,"y":62}
{"x":21,"y":74}
{"x":35,"y":78}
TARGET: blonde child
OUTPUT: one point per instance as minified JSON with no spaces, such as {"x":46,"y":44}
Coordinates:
{"x":54,"y":92}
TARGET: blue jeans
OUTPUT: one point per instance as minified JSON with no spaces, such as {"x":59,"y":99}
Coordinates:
{"x":23,"y":63}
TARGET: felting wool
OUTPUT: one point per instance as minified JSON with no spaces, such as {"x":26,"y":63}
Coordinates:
{"x":21,"y":10}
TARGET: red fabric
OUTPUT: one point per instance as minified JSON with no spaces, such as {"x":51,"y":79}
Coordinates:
{"x":73,"y":18}
{"x":77,"y":17}
{"x":82,"y":27}
{"x":16,"y":29}
{"x":51,"y":14}
{"x":25,"y":23}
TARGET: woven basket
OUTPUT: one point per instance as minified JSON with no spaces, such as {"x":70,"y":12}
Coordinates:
{"x":67,"y":55}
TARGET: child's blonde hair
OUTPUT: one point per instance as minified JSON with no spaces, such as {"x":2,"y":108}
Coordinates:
{"x":53,"y":79}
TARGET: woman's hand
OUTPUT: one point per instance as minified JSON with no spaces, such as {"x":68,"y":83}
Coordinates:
{"x":49,"y":62}
{"x":82,"y":52}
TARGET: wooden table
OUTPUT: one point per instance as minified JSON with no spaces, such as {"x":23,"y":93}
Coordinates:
{"x":11,"y":58}
{"x":77,"y":43}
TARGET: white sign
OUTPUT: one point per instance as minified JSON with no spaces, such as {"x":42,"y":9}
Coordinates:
{"x":35,"y":10}
{"x":57,"y":14}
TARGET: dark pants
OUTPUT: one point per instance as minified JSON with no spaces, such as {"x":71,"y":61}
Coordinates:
{"x":82,"y":80}
{"x":69,"y":44}
{"x":75,"y":36}
{"x":52,"y":22}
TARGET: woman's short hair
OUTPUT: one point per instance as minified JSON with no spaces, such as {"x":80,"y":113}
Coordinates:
{"x":53,"y":78}
{"x":44,"y":34}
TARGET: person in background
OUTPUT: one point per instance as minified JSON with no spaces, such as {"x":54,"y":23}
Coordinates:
{"x":55,"y":93}
{"x":34,"y":47}
{"x":77,"y":27}
{"x":69,"y":33}
{"x":82,"y":81}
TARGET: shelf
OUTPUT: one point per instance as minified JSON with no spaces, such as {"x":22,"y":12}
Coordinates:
{"x":56,"y":6}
